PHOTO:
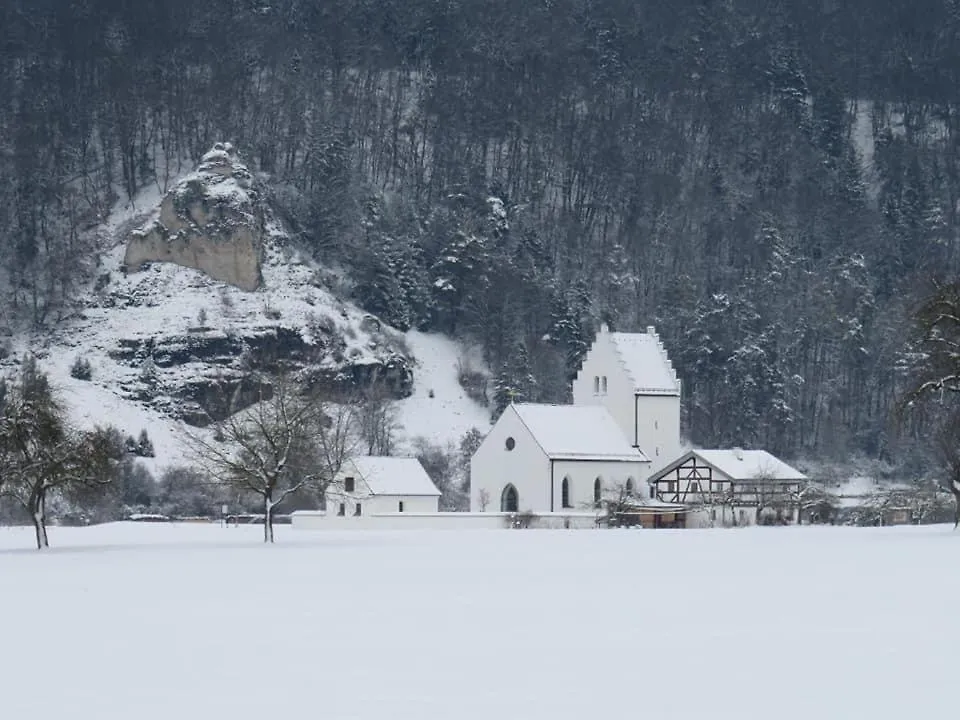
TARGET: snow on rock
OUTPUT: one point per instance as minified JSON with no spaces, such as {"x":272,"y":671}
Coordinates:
{"x":211,"y":220}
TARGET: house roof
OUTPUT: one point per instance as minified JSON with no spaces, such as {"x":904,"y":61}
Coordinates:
{"x":741,"y":465}
{"x":394,"y":476}
{"x":646,"y":362}
{"x":572,"y":432}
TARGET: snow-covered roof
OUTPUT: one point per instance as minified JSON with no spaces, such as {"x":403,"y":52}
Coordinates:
{"x":740,"y":464}
{"x":394,"y":476}
{"x":646,"y":361}
{"x":577,"y":432}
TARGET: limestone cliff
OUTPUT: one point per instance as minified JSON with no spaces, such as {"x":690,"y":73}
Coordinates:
{"x":211,"y":221}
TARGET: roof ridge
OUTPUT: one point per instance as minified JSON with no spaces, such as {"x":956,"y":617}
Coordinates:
{"x":621,"y":359}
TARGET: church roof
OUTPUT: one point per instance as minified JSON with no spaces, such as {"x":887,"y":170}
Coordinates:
{"x":742,"y":465}
{"x":394,"y":475}
{"x":646,"y":361}
{"x":577,"y":432}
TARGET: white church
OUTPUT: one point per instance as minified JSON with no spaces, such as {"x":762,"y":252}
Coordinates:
{"x":621,"y":436}
{"x":618,"y":445}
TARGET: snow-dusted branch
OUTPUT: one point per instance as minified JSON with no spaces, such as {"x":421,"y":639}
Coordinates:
{"x":290,"y":441}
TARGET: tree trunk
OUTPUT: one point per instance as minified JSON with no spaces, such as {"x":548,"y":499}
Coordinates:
{"x":268,"y":518}
{"x":39,"y":519}
{"x":955,"y":488}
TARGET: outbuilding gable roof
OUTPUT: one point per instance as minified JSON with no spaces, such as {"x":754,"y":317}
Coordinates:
{"x":586,"y":432}
{"x":394,"y":475}
{"x":741,"y":465}
{"x":646,"y":361}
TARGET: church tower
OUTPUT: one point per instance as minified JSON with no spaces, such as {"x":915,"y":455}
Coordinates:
{"x":631,"y":375}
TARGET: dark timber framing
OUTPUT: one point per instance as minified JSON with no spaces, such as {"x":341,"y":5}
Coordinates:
{"x":693,"y":482}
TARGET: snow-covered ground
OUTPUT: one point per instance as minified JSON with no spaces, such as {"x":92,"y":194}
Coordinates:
{"x":157,"y":621}
{"x":449,"y":413}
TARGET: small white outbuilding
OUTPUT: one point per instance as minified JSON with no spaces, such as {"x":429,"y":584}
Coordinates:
{"x":370,"y":485}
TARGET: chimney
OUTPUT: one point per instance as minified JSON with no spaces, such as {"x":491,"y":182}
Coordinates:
{"x":738,"y":452}
{"x":604,"y":328}
{"x":651,"y":330}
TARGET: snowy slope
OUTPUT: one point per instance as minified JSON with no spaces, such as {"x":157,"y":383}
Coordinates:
{"x":449,"y":413}
{"x":173,"y":301}
{"x":202,"y":622}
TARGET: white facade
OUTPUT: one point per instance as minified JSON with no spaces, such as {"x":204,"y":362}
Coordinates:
{"x":631,"y":376}
{"x":375,"y":485}
{"x":551,"y":459}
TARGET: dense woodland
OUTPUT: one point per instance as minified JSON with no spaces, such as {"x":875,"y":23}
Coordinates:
{"x":772,"y":184}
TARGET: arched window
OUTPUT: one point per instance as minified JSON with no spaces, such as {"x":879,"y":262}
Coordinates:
{"x":565,"y":493}
{"x":603,"y":385}
{"x":596,"y":384}
{"x":597,"y":491}
{"x":509,"y":499}
{"x":630,"y":486}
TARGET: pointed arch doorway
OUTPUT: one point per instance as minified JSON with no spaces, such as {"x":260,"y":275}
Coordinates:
{"x":509,"y":499}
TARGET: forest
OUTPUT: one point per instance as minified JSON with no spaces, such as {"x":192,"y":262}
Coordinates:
{"x":774,"y":185}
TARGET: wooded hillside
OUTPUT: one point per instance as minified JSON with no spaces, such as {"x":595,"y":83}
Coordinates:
{"x":771,"y":183}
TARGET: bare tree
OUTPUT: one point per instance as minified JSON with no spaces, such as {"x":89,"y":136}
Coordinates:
{"x":620,"y":506}
{"x":948,"y":448}
{"x":377,"y":419}
{"x":808,"y":496}
{"x":483,"y":499}
{"x":285,"y":443}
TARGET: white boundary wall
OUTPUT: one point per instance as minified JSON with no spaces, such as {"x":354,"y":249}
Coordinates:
{"x":319,"y":520}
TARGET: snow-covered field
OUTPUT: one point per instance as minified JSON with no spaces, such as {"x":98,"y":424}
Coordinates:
{"x":156,"y":621}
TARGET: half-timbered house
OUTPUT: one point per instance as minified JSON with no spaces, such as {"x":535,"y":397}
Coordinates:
{"x":730,"y":487}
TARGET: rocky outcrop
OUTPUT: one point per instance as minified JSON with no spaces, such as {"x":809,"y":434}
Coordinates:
{"x":218,"y":366}
{"x":211,"y":221}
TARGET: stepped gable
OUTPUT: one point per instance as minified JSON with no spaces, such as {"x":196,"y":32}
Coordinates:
{"x":646,"y":362}
{"x":210,"y":221}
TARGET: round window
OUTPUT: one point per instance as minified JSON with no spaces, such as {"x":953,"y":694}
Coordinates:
{"x":511,"y":443}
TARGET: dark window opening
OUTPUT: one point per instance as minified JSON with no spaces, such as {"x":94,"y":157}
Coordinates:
{"x":357,"y":510}
{"x":511,"y":443}
{"x":400,"y":508}
{"x":565,"y":493}
{"x":597,"y":492}
{"x":348,"y":484}
{"x":509,"y":499}
{"x":342,"y":510}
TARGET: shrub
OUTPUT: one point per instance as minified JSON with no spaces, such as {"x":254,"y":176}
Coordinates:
{"x":521,"y":520}
{"x":144,"y":445}
{"x":81,"y":369}
{"x":148,"y":373}
{"x":473,"y":382}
